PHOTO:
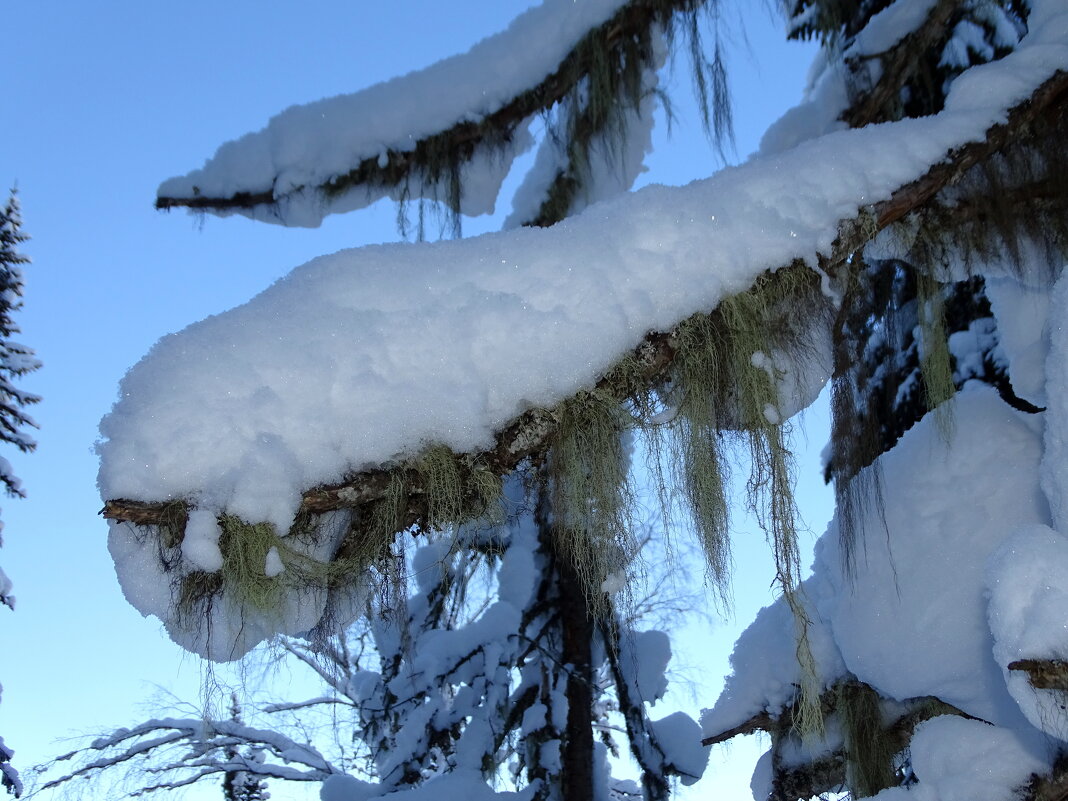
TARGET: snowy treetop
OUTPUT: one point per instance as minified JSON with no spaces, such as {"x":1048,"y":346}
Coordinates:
{"x":330,"y":370}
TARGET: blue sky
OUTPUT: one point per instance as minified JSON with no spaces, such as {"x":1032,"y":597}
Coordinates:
{"x":102,"y":102}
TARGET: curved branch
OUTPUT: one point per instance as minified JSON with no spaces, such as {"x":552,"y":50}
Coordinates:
{"x":205,"y":737}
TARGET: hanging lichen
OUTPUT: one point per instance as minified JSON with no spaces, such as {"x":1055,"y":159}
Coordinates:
{"x":696,"y":443}
{"x":444,"y":487}
{"x":592,"y":499}
{"x":935,"y":362}
{"x":869,"y":747}
{"x":260,"y":568}
{"x":173,"y":518}
{"x":761,"y":322}
{"x":456,"y":489}
{"x":606,"y":71}
{"x":245,"y":548}
{"x":725,"y":391}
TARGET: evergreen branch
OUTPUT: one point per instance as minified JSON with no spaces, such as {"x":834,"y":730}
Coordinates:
{"x":467,"y":137}
{"x":529,"y":436}
{"x":899,"y":66}
{"x":643,"y":745}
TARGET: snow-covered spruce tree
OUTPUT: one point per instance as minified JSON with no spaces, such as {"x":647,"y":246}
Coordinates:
{"x":893,"y":355}
{"x":450,"y":692}
{"x":956,"y":299}
{"x":699,"y":316}
{"x":15,"y":361}
{"x":599,"y":100}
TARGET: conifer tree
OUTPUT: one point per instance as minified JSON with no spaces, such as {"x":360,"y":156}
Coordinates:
{"x":881,"y":287}
{"x":599,"y":99}
{"x":15,"y":361}
{"x":911,"y":330}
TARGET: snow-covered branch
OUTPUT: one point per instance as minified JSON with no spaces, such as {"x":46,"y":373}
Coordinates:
{"x":192,"y":750}
{"x":1043,"y":674}
{"x":526,"y":436}
{"x":345,"y":152}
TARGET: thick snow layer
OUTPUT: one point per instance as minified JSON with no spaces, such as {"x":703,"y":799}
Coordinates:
{"x":764,"y":669}
{"x":966,"y":760}
{"x":644,"y":656}
{"x":763,"y":780}
{"x":912,"y":622}
{"x":226,"y":632}
{"x":200,"y":546}
{"x":613,"y":166}
{"x":307,"y":145}
{"x":679,"y":737}
{"x":815,"y":116}
{"x":1022,"y":312}
{"x":466,"y":783}
{"x":1028,"y":584}
{"x":330,"y":370}
{"x":890,"y":26}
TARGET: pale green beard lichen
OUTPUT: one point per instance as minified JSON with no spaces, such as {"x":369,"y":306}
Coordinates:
{"x":869,"y":748}
{"x":593,"y":502}
{"x":724,"y":393}
{"x":936,"y":366}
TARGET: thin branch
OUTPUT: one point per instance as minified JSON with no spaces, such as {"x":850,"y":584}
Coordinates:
{"x":334,"y":680}
{"x":467,"y":136}
{"x":762,"y":721}
{"x":325,"y":700}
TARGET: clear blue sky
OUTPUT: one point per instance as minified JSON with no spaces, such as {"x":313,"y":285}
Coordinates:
{"x":103,"y":101}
